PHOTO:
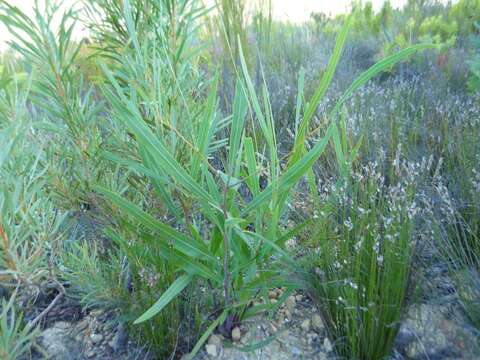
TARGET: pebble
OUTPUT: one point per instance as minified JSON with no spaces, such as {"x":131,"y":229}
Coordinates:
{"x":62,"y":325}
{"x":211,"y":350}
{"x":311,"y":338}
{"x":120,"y":340}
{"x":82,"y":325}
{"x":215,"y":340}
{"x":236,"y":334}
{"x":327,"y":345}
{"x":317,"y":322}
{"x":96,"y":338}
{"x":272,"y":294}
{"x":288,"y":315}
{"x":90,"y":353}
{"x":290,"y":303}
{"x":305,"y":325}
{"x":96,"y":313}
{"x":295,"y":350}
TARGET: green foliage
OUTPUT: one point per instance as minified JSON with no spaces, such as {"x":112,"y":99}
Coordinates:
{"x":232,"y":29}
{"x":29,"y":223}
{"x":67,"y":104}
{"x":474,"y":79}
{"x":128,"y":280}
{"x":465,"y":13}
{"x":16,"y":338}
{"x":366,"y":21}
{"x":189,"y":195}
{"x":474,"y":64}
{"x":460,"y":231}
{"x":435,"y":29}
{"x":460,"y":247}
{"x":217,"y":245}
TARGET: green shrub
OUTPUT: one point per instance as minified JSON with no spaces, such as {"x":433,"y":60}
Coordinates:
{"x":65,"y":103}
{"x":30,"y":226}
{"x":465,"y":13}
{"x":221,"y":239}
{"x":127,"y":280}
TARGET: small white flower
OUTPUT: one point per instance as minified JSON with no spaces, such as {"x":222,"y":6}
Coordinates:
{"x":348,"y":224}
{"x":380,"y":260}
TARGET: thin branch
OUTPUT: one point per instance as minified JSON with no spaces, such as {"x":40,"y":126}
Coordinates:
{"x":61,"y":292}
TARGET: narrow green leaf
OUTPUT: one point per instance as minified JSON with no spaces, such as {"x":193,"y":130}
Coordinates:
{"x":207,"y":334}
{"x":292,"y":175}
{"x":165,"y":232}
{"x":129,"y":114}
{"x":240,"y":108}
{"x":300,"y":136}
{"x":174,"y":289}
{"x":252,"y":178}
{"x":204,"y":140}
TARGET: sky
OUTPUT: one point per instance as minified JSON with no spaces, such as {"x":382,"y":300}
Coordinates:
{"x":292,"y":10}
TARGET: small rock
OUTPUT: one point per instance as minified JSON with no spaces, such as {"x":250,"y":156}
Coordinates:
{"x":311,"y":338}
{"x":299,"y":297}
{"x":58,"y":343}
{"x":236,"y":334}
{"x":295,"y":350}
{"x":327,"y":345}
{"x":62,"y":325}
{"x":90,"y":353}
{"x":272,"y":294}
{"x":82,"y":325}
{"x":211,"y":350}
{"x":317,"y":323}
{"x":96,"y":313}
{"x":96,"y":338}
{"x":120,"y":340}
{"x":322,"y":356}
{"x":245,"y":340}
{"x":305,"y":325}
{"x":290,"y":303}
{"x":215,"y":340}
{"x":404,"y":337}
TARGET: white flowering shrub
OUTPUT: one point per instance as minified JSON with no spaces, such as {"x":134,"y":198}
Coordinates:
{"x":363,"y":257}
{"x":459,"y":234}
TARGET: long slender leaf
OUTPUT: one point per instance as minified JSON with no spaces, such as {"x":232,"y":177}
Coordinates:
{"x":176,"y":288}
{"x":165,"y":232}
